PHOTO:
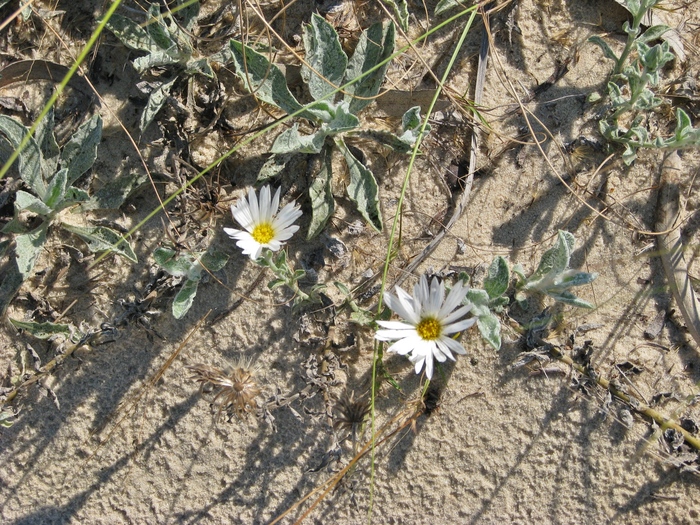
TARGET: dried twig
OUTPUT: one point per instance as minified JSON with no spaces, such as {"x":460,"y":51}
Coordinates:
{"x":632,"y":401}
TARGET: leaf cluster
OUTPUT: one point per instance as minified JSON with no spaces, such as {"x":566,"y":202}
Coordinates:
{"x":285,"y":275}
{"x":49,"y":173}
{"x":165,"y":44}
{"x":191,"y":268}
{"x":325,"y":71}
{"x":552,"y":277}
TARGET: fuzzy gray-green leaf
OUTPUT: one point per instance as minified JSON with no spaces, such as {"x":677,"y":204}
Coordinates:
{"x":384,"y":137}
{"x":56,"y":191}
{"x":158,"y":30}
{"x":603,"y":45}
{"x":100,"y":238}
{"x":445,"y":5}
{"x":569,"y":298}
{"x":273,"y":166}
{"x":401,"y":11}
{"x":555,"y":259}
{"x":27,"y":202}
{"x":214,"y":261}
{"x":131,"y":34}
{"x":291,"y":141}
{"x":325,"y":60}
{"x":490,"y":329}
{"x":29,"y":160}
{"x":343,"y":120}
{"x":27,"y":248}
{"x":184,"y":298}
{"x":262,"y":78}
{"x":113,"y":194}
{"x":497,"y":278}
{"x":45,"y":138}
{"x":322,"y":203}
{"x":157,"y":59}
{"x":156,"y":100}
{"x":478,"y":300}
{"x":376,"y":44}
{"x":362,"y":190}
{"x":80,"y":152}
{"x":42,"y":330}
{"x":176,"y":266}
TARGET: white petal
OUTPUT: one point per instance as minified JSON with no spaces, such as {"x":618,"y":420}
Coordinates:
{"x":421,"y":292}
{"x":275,"y":202}
{"x":419,"y":364}
{"x":396,"y":325}
{"x":454,"y":298}
{"x":437,"y":294}
{"x":402,"y":346}
{"x":409,"y":306}
{"x":232,"y":232}
{"x":287,"y":216}
{"x":241,"y":213}
{"x":393,"y":335}
{"x":453,"y":345}
{"x":458,"y":327}
{"x":274,"y":245}
{"x":429,"y":367}
{"x":264,"y":204}
{"x":253,"y":205}
{"x":401,"y":307}
{"x":441,"y":352}
{"x":457,"y":314}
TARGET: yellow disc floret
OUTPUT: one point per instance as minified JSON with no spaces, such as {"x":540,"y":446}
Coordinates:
{"x":263,"y":233}
{"x":429,"y":329}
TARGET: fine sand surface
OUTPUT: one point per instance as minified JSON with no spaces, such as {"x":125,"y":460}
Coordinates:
{"x":507,"y":444}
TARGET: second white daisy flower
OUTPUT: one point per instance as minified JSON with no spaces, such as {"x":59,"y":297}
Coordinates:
{"x":263,"y":226}
{"x":429,"y":320}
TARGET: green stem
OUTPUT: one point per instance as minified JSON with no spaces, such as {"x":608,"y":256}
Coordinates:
{"x":632,"y":34}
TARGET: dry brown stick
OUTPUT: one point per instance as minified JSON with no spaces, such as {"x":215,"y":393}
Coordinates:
{"x":631,"y":400}
{"x":669,"y":219}
{"x":328,"y":485}
{"x":461,"y":206}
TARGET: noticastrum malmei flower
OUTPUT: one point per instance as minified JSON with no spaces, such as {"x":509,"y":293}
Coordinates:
{"x":263,"y":226}
{"x":429,"y":321}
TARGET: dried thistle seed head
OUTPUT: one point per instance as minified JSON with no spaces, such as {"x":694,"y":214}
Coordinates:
{"x":350,"y":414}
{"x":234,"y":391}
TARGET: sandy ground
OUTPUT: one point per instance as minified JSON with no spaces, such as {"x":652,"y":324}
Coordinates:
{"x":506,"y":444}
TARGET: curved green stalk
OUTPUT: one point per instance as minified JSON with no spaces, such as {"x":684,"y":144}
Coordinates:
{"x":378,"y":346}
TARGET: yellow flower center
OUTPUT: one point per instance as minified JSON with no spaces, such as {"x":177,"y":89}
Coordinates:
{"x":429,"y":329}
{"x":263,"y":233}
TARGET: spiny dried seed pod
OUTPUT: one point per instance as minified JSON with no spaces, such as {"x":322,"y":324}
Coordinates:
{"x":351,"y":414}
{"x":234,"y":391}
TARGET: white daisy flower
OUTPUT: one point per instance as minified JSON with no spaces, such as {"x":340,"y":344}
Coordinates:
{"x":263,"y":226}
{"x":429,"y":321}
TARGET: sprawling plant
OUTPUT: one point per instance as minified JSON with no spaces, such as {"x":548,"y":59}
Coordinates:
{"x":333,"y":115}
{"x":49,"y":174}
{"x":631,"y":89}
